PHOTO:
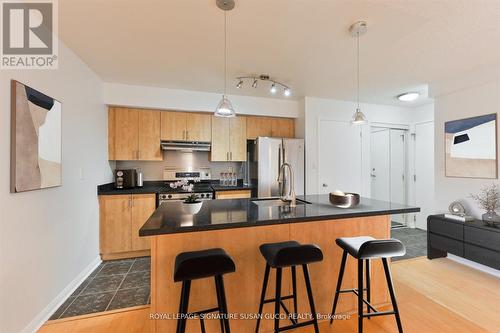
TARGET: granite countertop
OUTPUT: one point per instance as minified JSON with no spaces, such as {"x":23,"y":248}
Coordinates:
{"x":153,"y":187}
{"x":171,"y":217}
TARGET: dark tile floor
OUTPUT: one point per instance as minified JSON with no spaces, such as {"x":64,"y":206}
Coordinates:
{"x":113,"y":285}
{"x":415,"y":241}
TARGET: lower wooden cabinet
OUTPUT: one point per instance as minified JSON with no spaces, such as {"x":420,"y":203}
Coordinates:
{"x":121,"y":217}
{"x":233,"y":194}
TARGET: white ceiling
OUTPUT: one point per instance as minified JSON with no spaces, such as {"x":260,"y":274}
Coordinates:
{"x":304,"y":43}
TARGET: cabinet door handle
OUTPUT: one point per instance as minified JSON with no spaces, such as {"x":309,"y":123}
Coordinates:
{"x":187,"y":134}
{"x":130,"y":202}
{"x":231,"y":155}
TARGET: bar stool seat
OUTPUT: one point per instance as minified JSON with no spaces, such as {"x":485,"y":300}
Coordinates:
{"x":290,"y":253}
{"x":202,"y":264}
{"x":366,"y":247}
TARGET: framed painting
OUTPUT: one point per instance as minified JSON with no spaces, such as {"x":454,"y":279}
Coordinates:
{"x":471,"y":147}
{"x":36,"y":147}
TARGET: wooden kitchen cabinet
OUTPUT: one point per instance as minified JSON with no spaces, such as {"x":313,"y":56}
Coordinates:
{"x":283,"y":128}
{"x":173,"y":126}
{"x":121,"y":217}
{"x":229,"y":139}
{"x":233,"y":194}
{"x":270,"y":126}
{"x":123,"y":134}
{"x":134,"y":135}
{"x":258,"y":126}
{"x":199,"y":127}
{"x":149,"y":136}
{"x":185,"y":126}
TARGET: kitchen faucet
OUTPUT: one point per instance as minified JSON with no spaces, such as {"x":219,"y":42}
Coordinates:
{"x":284,"y":178}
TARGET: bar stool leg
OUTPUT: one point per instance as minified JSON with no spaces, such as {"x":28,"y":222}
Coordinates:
{"x":277,"y":301}
{"x":294,"y":289}
{"x":219,"y":305}
{"x":391,"y":293}
{"x":368,"y":291}
{"x":183,"y":307}
{"x":311,"y":299}
{"x":360,"y":295}
{"x":339,"y":284}
{"x":262,"y":296}
{"x":220,"y":290}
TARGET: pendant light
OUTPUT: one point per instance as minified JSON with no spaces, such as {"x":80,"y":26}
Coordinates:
{"x":225,"y":108}
{"x":358,"y":29}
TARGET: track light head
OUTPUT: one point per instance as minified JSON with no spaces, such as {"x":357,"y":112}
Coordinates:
{"x":239,"y":84}
{"x":287,"y":92}
{"x":254,"y":84}
{"x":273,"y":88}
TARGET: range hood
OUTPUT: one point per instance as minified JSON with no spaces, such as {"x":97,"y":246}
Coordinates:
{"x":186,"y":145}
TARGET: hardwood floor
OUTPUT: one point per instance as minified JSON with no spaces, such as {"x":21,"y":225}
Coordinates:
{"x":438,"y":296}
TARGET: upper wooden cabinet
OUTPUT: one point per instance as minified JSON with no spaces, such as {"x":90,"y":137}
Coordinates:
{"x":134,"y":134}
{"x":270,"y":126}
{"x":258,"y":126}
{"x":282,"y":127}
{"x":229,"y":139}
{"x":185,"y":126}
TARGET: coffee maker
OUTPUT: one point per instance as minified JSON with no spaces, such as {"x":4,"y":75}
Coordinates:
{"x":125,"y":178}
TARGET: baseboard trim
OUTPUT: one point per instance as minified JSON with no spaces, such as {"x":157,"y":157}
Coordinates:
{"x":45,"y":314}
{"x":474,"y":265}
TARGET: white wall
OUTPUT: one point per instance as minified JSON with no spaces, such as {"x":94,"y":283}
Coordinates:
{"x":319,"y":108}
{"x":49,"y":238}
{"x":467,"y":102}
{"x":189,"y":100}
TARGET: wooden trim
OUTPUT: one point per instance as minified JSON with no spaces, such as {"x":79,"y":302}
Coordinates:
{"x":111,"y":133}
{"x":96,"y":314}
{"x":125,"y":255}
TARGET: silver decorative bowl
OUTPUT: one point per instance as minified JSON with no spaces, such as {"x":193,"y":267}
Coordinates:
{"x":349,"y":200}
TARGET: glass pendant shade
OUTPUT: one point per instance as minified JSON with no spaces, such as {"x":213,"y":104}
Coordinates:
{"x":225,"y":108}
{"x":358,"y":118}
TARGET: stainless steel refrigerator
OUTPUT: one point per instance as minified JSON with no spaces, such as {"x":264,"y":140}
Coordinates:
{"x":265,"y":161}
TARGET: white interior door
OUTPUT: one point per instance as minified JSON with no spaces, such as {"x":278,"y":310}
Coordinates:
{"x":380,"y":164}
{"x":424,"y":172}
{"x":398,"y":170}
{"x":339,"y":157}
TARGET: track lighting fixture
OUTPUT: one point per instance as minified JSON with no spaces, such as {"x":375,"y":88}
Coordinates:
{"x":287,"y":91}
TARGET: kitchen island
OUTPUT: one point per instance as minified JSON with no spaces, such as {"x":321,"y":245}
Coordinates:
{"x":240,"y":226}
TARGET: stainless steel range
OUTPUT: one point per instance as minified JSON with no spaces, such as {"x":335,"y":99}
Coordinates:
{"x":182,"y":183}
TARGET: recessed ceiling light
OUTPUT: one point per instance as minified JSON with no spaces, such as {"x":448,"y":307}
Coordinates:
{"x":409,"y":96}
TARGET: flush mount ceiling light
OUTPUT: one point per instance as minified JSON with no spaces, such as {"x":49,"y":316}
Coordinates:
{"x":409,"y":96}
{"x":273,"y":89}
{"x":357,"y":29}
{"x":225,"y":108}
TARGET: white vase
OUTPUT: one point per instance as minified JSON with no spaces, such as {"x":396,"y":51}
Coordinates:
{"x":192,"y":208}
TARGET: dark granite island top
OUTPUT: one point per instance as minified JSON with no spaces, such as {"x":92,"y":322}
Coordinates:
{"x":171,"y":218}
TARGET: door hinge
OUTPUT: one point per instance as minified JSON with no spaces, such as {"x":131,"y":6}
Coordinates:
{"x":414,"y":178}
{"x":414,"y":218}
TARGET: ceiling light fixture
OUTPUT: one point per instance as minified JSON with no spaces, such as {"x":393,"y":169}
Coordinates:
{"x":273,"y":89}
{"x":225,"y":108}
{"x":287,"y":91}
{"x":357,"y":29}
{"x":409,"y":96}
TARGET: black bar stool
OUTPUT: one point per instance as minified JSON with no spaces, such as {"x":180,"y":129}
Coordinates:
{"x":198,"y":265}
{"x":282,"y":255}
{"x":366,"y":248}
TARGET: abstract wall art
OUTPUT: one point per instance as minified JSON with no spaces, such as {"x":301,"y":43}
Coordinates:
{"x":36,"y":146}
{"x":471,"y":147}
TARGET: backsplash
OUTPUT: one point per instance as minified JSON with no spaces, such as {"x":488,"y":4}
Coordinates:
{"x":153,"y":170}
